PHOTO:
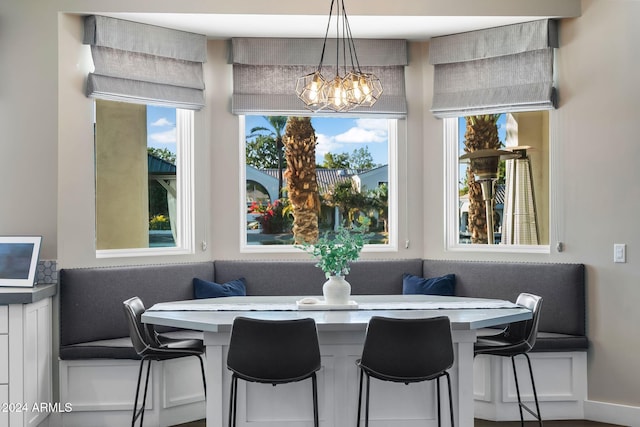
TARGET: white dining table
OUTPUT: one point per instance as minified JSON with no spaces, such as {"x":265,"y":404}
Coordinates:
{"x":341,"y":334}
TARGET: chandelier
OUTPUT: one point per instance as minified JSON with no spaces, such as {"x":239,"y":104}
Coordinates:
{"x":346,"y":91}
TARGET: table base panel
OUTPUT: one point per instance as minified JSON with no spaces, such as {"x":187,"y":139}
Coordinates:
{"x":261,"y":405}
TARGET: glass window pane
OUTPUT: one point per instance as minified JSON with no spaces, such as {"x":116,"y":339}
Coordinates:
{"x":519,"y":189}
{"x":138,"y":175}
{"x":351,"y":158}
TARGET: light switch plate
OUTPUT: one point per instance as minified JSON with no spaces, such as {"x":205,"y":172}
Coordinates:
{"x":619,"y":252}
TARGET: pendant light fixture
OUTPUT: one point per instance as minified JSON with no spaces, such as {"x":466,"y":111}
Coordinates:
{"x":350,"y":87}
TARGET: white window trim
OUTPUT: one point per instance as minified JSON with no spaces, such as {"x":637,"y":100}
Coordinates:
{"x":452,"y":201}
{"x":392,"y":246}
{"x":184,"y":198}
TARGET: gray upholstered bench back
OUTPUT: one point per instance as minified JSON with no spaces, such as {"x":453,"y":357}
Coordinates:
{"x":91,"y":303}
{"x":562,"y":287}
{"x":92,"y":323}
{"x":304,"y":278}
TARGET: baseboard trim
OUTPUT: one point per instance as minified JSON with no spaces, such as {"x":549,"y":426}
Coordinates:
{"x":612,"y":413}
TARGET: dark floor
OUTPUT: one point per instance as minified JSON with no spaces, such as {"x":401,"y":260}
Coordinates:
{"x":483,"y":423}
{"x":572,"y":423}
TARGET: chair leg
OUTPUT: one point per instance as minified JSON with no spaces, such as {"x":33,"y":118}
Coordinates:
{"x":232,"y":400}
{"x":314,"y":384}
{"x":366,"y":414}
{"x":359,"y":398}
{"x":450,"y":398}
{"x":144,"y":396}
{"x":515,"y":376}
{"x":535,"y":393}
{"x":521,"y":405}
{"x":438,"y":400}
{"x":140,"y":412}
{"x":135,"y":401}
{"x":204,"y":379}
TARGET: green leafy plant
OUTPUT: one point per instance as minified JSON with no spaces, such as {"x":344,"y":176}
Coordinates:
{"x":335,"y":253}
{"x":159,"y":222}
{"x":275,"y":217}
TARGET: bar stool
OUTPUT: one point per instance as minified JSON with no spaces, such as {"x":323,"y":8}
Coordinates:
{"x":151,"y":346}
{"x":517,"y":338}
{"x":406,"y":351}
{"x":273,"y":352}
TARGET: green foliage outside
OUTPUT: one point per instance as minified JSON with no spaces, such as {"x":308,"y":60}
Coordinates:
{"x":274,"y":217}
{"x":355,"y":206}
{"x":159,"y":222}
{"x":360,"y":159}
{"x":262,"y":153}
{"x":335,"y":161}
{"x":162,"y":153}
{"x":274,"y":133}
{"x":158,"y":207}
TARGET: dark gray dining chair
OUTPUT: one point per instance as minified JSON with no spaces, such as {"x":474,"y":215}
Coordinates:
{"x":406,"y":351}
{"x":152,"y":346}
{"x":516,"y":339}
{"x":273,"y":352}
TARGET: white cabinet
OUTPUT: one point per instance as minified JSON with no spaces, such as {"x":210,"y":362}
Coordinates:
{"x":25,"y":360}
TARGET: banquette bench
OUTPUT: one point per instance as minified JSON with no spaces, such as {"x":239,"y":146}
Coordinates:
{"x":98,"y":365}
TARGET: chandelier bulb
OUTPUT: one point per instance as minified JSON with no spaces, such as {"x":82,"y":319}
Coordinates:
{"x":340,"y":94}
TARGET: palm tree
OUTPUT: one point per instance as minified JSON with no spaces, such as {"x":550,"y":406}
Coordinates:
{"x":278,"y":124}
{"x":302,"y":187}
{"x":481,"y":132}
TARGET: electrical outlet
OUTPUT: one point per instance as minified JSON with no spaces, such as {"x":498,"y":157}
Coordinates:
{"x":619,"y":252}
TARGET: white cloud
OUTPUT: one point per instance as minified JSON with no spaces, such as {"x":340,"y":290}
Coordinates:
{"x":366,"y":131}
{"x":166,"y":137}
{"x":161,"y":122}
{"x":373,"y":124}
{"x":326,"y":144}
{"x":362,"y":136}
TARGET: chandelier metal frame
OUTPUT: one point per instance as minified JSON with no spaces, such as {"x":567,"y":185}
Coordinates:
{"x":354,"y":88}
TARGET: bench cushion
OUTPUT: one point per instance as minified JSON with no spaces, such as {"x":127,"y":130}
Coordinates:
{"x":117,"y":348}
{"x":549,"y":341}
{"x":91,"y":299}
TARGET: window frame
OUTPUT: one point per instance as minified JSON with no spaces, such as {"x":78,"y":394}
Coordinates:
{"x":185,"y":231}
{"x":392,"y":246}
{"x":452,"y":199}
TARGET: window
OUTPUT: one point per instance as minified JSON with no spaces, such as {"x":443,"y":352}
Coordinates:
{"x":521,"y":191}
{"x":142,"y":173}
{"x":355,"y":173}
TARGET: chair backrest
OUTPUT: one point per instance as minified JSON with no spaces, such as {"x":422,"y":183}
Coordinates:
{"x":407,"y":350}
{"x":527,"y":330}
{"x":273,"y":351}
{"x":140,"y":333}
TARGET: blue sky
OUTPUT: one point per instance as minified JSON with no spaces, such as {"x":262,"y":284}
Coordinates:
{"x":161,"y":128}
{"x":343,"y":135}
{"x":335,"y":135}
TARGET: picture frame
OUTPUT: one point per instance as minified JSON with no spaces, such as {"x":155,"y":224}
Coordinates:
{"x":19,"y":260}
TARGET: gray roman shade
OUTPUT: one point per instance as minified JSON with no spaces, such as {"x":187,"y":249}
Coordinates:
{"x":503,"y":69}
{"x":265,"y":72}
{"x":145,"y":64}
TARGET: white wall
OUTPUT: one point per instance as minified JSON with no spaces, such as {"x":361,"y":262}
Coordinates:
{"x":598,"y":128}
{"x":46,"y":161}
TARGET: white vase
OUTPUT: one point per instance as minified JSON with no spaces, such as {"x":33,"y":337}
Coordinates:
{"x":336,"y":291}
